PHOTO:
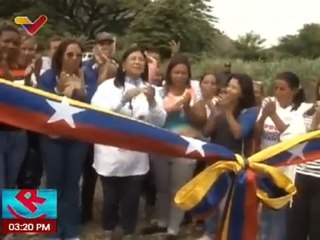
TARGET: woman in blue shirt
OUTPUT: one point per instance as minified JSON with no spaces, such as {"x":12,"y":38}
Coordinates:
{"x":231,"y":124}
{"x":63,"y":158}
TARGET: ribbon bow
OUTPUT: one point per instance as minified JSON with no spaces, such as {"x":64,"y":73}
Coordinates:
{"x":245,"y":183}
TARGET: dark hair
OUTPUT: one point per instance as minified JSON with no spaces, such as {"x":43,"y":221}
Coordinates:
{"x":247,"y":100}
{"x":293,"y":83}
{"x":209,"y":73}
{"x":176,"y":60}
{"x":317,"y":91}
{"x":121,"y":74}
{"x":56,"y":39}
{"x":9,"y":28}
{"x":57,"y":58}
{"x":260,"y":84}
{"x":153,"y":50}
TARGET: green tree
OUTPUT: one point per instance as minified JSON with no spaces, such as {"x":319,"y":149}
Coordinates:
{"x":9,"y":8}
{"x":305,"y":44}
{"x":87,"y":17}
{"x":187,"y":21}
{"x":250,"y":46}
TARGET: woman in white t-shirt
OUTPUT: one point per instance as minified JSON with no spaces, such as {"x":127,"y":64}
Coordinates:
{"x":280,"y":118}
{"x":305,"y":212}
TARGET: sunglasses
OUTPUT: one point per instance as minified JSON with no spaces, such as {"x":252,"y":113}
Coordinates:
{"x":74,"y":55}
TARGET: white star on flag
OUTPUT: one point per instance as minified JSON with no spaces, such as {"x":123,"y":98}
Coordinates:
{"x":63,"y":111}
{"x":194,"y":145}
{"x":297,"y":151}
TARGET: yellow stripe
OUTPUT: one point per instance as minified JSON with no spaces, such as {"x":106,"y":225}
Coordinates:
{"x":21,"y":20}
{"x":197,"y":188}
{"x":226,"y":223}
{"x":283,"y":146}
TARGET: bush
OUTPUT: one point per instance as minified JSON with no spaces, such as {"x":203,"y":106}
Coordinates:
{"x":265,"y":71}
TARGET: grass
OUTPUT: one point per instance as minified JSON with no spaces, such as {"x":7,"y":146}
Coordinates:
{"x":265,"y":71}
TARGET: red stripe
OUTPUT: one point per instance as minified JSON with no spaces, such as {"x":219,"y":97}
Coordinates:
{"x":38,"y":122}
{"x":15,"y":73}
{"x":250,"y":226}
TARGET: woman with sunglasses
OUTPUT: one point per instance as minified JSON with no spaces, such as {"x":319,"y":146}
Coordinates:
{"x":63,"y":158}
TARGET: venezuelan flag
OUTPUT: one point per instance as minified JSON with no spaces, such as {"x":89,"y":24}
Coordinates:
{"x":245,"y":183}
{"x":47,"y":113}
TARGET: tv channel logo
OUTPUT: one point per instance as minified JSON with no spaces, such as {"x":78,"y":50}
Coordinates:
{"x":31,"y":27}
{"x":29,"y":211}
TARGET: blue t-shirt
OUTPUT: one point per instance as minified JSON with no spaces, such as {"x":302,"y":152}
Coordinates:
{"x":91,"y":74}
{"x":223,"y":136}
{"x":49,"y":79}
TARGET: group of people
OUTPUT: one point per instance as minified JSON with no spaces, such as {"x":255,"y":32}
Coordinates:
{"x":229,"y":109}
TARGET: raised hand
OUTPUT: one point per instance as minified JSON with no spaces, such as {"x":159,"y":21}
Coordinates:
{"x":150,"y":93}
{"x":269,"y":107}
{"x":175,"y":47}
{"x":131,"y":93}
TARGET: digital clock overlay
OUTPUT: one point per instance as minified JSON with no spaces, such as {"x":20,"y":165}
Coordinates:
{"x":26,"y":211}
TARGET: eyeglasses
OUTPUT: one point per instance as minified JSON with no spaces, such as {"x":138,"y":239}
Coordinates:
{"x":74,"y":55}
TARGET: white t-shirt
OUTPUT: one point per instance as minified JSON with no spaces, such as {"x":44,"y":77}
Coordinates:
{"x":296,"y":126}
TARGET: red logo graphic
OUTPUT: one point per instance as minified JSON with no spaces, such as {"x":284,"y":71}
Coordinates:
{"x":29,"y":199}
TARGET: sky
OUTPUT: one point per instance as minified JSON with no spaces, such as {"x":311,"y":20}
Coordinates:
{"x":269,"y":18}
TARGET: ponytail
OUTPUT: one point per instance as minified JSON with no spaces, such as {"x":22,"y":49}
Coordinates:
{"x":299,"y":98}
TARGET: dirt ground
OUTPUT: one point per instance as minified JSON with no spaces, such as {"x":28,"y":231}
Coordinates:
{"x":92,"y":231}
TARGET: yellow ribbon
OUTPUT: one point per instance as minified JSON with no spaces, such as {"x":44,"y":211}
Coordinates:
{"x":190,"y":195}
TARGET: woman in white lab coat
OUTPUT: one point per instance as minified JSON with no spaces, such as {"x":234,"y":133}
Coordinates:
{"x":122,"y":171}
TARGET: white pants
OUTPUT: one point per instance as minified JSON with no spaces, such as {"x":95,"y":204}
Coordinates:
{"x":170,"y":175}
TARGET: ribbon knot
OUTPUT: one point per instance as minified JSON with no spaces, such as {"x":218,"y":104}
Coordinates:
{"x":244,"y":163}
{"x":244,"y":184}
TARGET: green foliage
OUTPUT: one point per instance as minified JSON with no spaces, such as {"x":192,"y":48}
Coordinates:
{"x":154,"y":23}
{"x":307,"y":70}
{"x":186,"y":21}
{"x":249,"y":46}
{"x":305,"y":44}
{"x":86,"y":17}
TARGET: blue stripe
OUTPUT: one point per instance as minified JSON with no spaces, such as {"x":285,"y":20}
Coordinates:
{"x":237,"y":214}
{"x":214,"y":196}
{"x":35,"y":103}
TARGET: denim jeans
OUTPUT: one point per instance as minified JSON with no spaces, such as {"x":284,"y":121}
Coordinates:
{"x":13,"y":147}
{"x":63,"y":164}
{"x":273,"y":223}
{"x":31,"y":170}
{"x":89,"y":180}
